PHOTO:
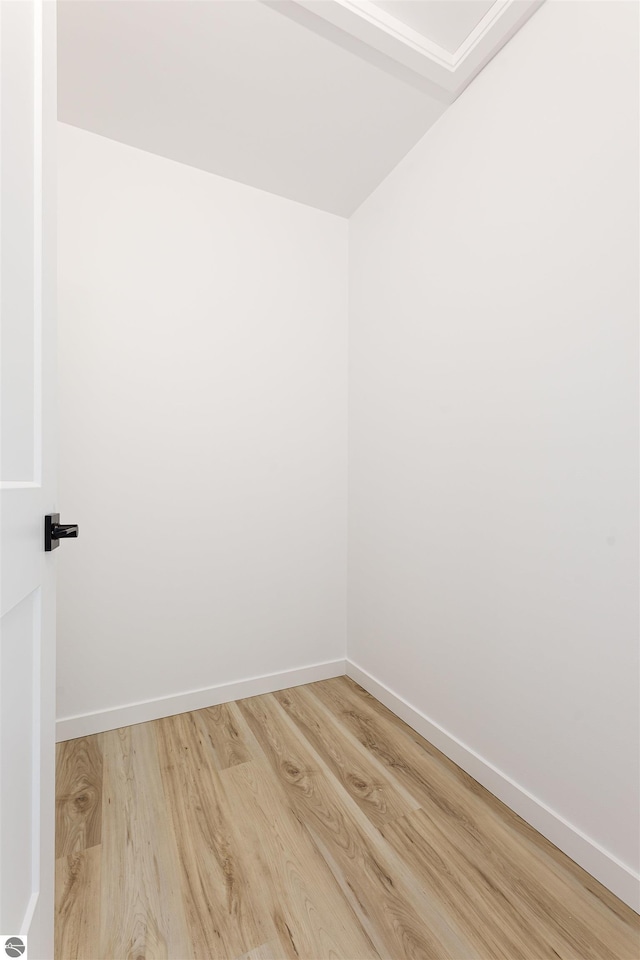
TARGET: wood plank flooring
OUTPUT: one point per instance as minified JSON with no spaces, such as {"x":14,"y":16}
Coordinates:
{"x":312,"y":824}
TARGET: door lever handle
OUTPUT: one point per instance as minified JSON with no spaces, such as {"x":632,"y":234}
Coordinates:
{"x":62,"y":530}
{"x":54,"y":531}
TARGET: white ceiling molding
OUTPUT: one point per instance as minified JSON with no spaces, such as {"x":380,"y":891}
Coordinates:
{"x":390,"y":37}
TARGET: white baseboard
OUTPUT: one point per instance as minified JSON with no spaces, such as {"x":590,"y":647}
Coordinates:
{"x":86,"y":724}
{"x":602,"y":865}
{"x":586,"y":852}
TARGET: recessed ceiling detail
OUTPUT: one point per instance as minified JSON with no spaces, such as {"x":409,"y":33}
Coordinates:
{"x":445,"y":22}
{"x":443,"y":42}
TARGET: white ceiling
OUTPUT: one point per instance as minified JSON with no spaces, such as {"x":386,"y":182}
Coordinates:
{"x":314,"y":101}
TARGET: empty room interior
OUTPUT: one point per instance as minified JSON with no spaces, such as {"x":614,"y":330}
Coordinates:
{"x":347,"y":644}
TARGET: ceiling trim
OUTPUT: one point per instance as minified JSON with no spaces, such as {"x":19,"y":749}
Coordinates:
{"x":390,"y":37}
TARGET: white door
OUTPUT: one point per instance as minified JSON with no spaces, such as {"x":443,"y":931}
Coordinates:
{"x":27,"y":470}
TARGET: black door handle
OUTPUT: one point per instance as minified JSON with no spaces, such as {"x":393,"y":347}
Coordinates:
{"x":54,"y":531}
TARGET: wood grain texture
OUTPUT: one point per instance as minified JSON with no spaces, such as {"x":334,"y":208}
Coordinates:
{"x":77,"y":904}
{"x":142,"y":909}
{"x":362,"y":861}
{"x":307,"y":824}
{"x":230,"y":741}
{"x":266,"y":951}
{"x":225,"y":920}
{"x":311,"y":917}
{"x":78,"y":795}
{"x":363,"y":778}
{"x":497,"y":899}
{"x":505,"y":847}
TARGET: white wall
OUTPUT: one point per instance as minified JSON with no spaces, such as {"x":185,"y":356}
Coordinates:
{"x":494,"y":421}
{"x":203,"y":429}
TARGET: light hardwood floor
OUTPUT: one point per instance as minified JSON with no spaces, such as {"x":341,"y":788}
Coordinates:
{"x":310,"y":823}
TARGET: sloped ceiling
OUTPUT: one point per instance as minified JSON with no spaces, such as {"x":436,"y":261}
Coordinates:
{"x":315,"y":100}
